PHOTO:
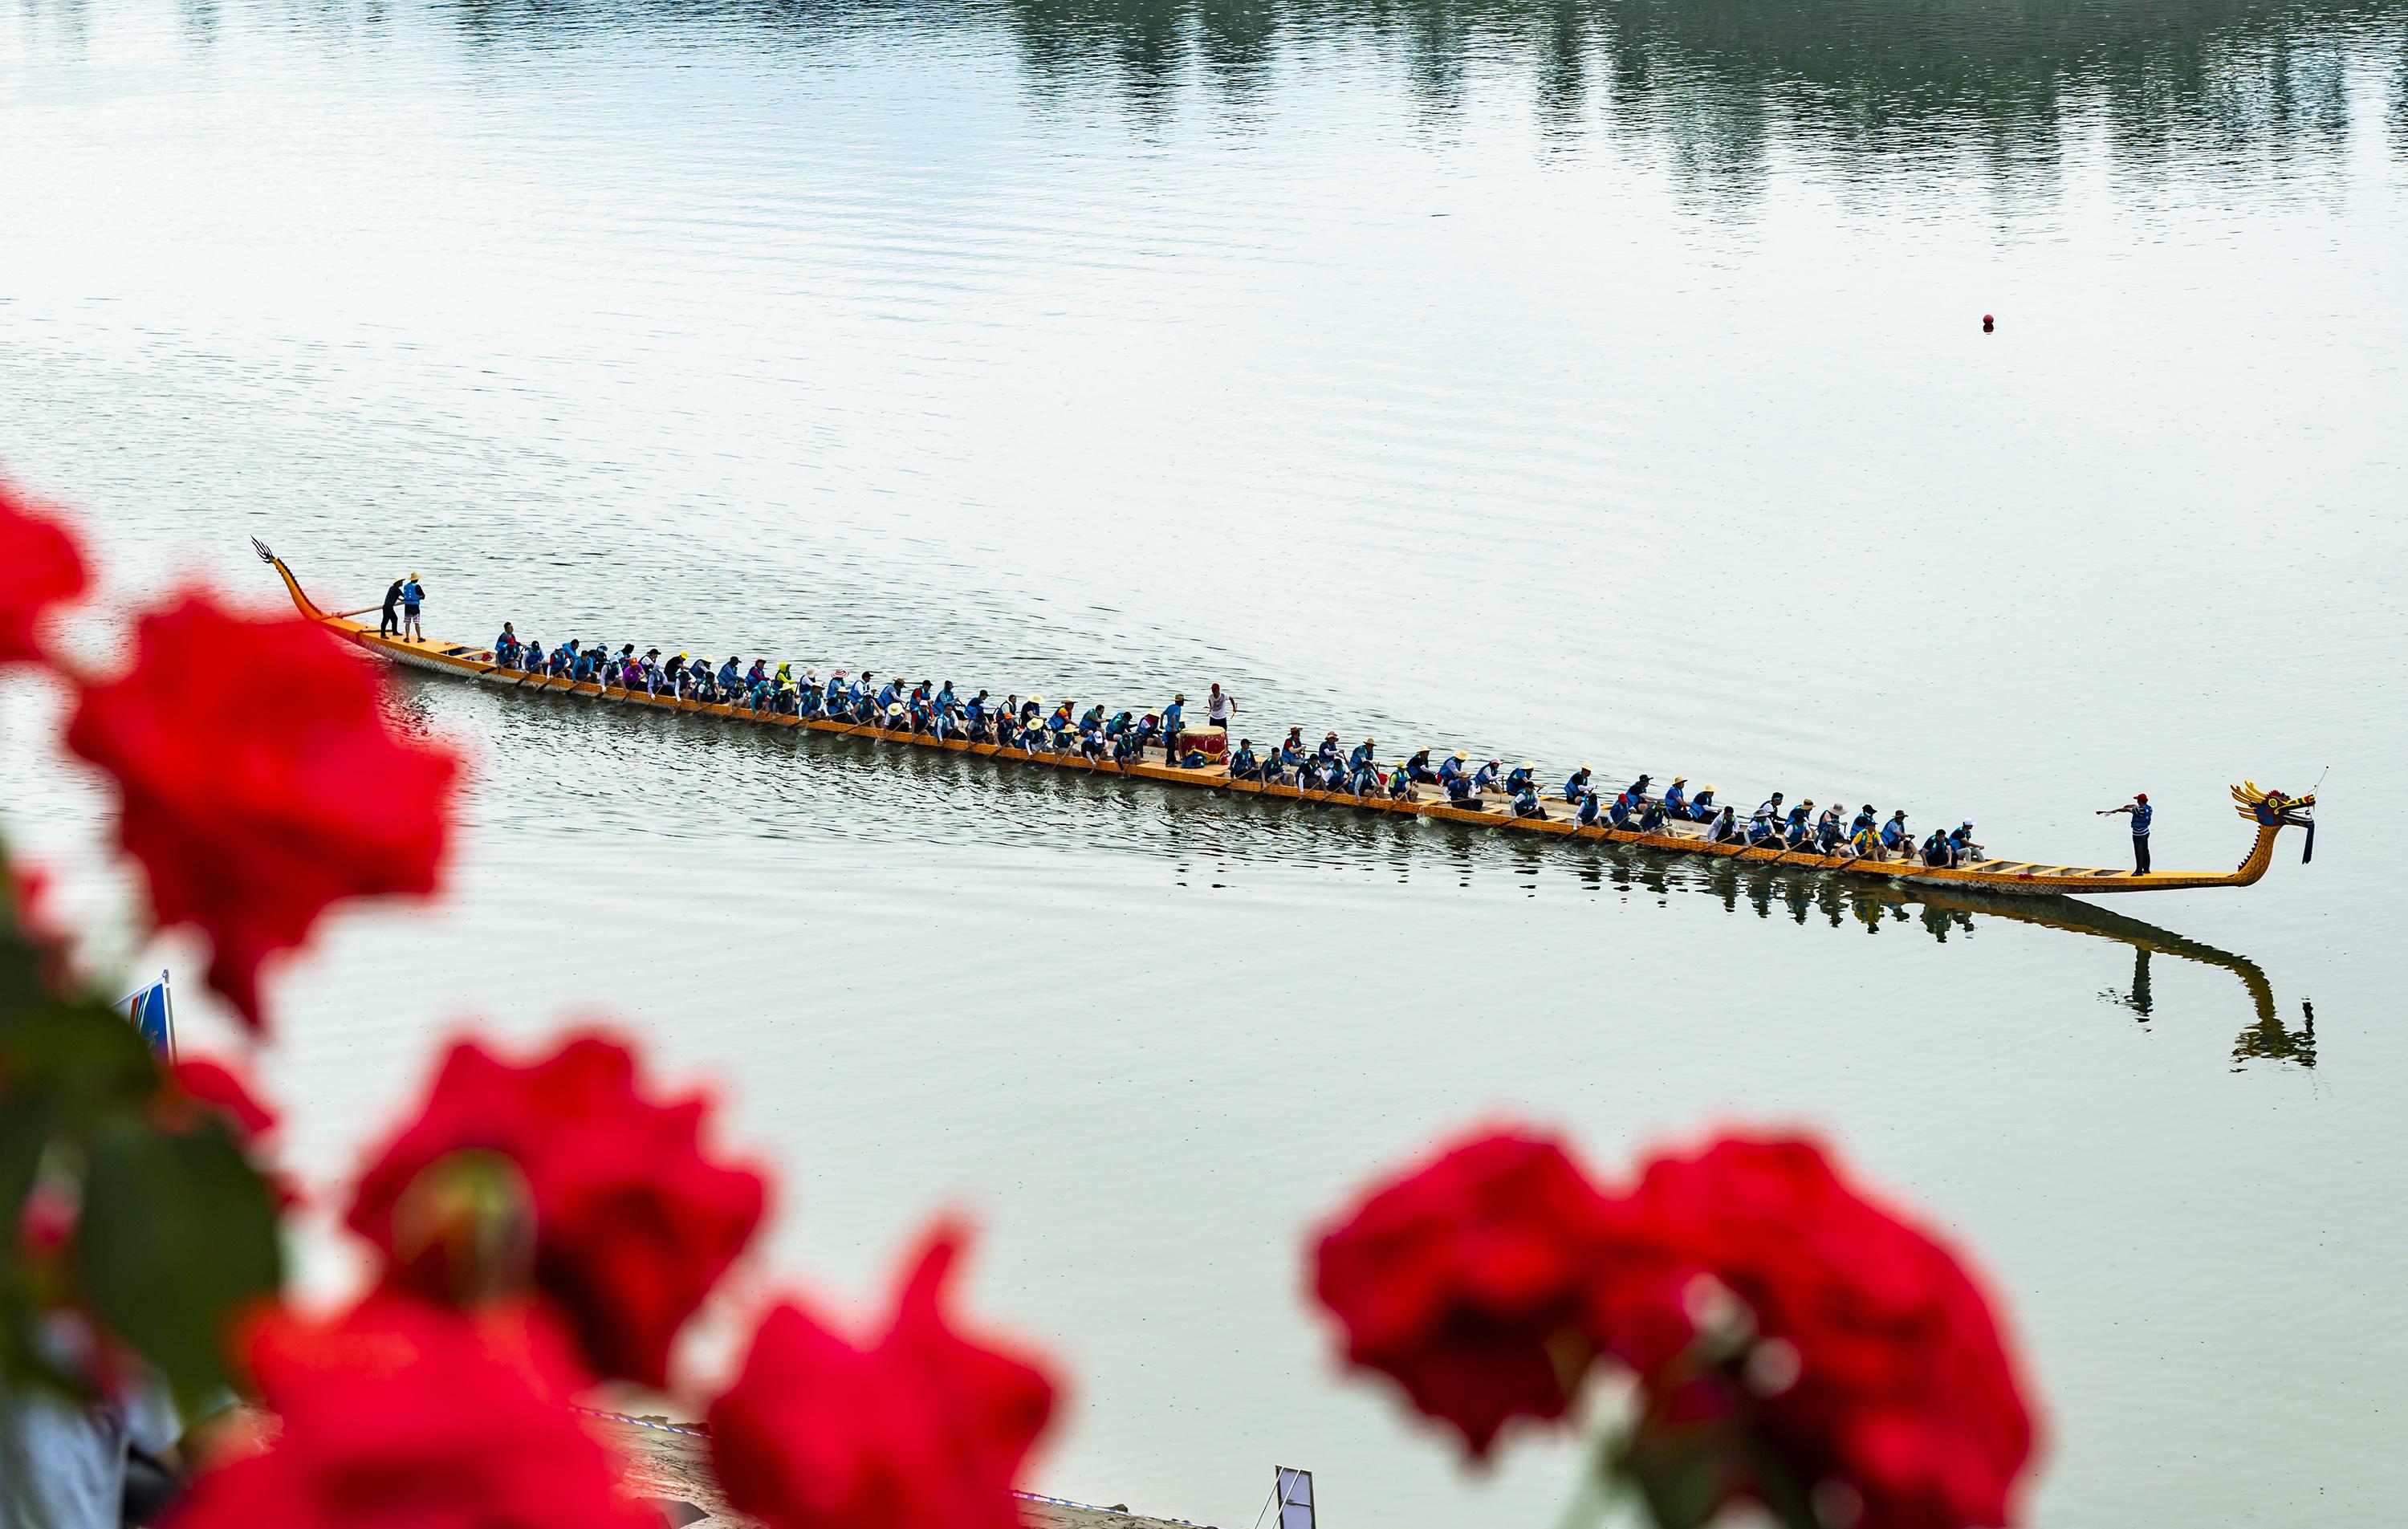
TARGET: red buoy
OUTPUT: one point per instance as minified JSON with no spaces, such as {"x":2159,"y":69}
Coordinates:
{"x":1988,"y":323}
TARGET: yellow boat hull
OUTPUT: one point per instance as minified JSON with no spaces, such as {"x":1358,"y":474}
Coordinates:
{"x":2018,"y":879}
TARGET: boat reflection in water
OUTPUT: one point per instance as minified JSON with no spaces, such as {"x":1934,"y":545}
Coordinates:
{"x":1940,"y":913}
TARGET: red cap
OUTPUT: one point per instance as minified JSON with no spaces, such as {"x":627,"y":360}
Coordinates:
{"x":2140,"y":797}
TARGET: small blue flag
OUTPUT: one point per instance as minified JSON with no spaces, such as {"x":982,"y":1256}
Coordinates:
{"x":150,"y":1012}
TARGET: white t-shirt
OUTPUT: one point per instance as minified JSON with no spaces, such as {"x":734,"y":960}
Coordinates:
{"x":1218,"y":708}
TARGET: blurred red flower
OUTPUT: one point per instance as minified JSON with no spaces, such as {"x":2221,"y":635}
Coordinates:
{"x":927,"y":1430}
{"x":40,"y":568}
{"x":217,"y":1086}
{"x":1468,"y":1281}
{"x":262,"y":781}
{"x":1877,"y":1370}
{"x":408,"y":1415}
{"x":632,"y":1225}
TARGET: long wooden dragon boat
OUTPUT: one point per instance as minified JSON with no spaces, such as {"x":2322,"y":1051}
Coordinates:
{"x":2270,"y":811}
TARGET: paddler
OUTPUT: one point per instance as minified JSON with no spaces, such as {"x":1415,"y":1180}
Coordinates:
{"x":1827,"y":837}
{"x":1242,"y":762}
{"x":1418,"y":766}
{"x":1489,"y":776}
{"x":1676,"y":800}
{"x":1521,"y":775}
{"x":1525,"y":802}
{"x":1896,"y":838}
{"x":1364,"y":753}
{"x":1451,"y":768}
{"x":1766,"y":812}
{"x":1577,"y":786}
{"x":1702,"y":806}
{"x":1864,"y":842}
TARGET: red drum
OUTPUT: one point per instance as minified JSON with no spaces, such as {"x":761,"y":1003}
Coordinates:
{"x":1211,"y":742}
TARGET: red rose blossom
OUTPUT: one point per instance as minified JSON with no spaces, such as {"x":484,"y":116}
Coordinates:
{"x":262,"y":781}
{"x":927,"y":1430}
{"x":1469,"y":1281}
{"x":218,"y":1086}
{"x":1893,"y":1384}
{"x":632,"y":1225}
{"x":39,"y":569}
{"x":408,"y":1416}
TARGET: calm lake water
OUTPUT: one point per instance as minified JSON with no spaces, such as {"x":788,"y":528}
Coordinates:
{"x":1592,"y":382}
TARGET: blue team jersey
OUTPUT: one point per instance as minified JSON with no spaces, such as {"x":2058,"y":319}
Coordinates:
{"x":2141,"y":815}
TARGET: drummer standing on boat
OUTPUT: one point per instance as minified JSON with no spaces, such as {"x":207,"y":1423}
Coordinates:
{"x":2141,"y":810}
{"x":1219,"y":708}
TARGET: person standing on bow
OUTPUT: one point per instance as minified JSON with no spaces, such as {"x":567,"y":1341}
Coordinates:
{"x":2139,"y":809}
{"x":414,"y":594}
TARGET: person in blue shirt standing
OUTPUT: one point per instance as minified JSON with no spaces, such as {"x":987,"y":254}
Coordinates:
{"x":414,"y":594}
{"x":2138,"y":807}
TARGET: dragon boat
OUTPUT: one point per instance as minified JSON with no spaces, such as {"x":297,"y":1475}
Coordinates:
{"x":2269,"y":811}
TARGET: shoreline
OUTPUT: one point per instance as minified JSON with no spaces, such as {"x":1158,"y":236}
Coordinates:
{"x":670,"y":1462}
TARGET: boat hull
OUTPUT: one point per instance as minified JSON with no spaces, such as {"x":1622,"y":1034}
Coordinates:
{"x":2004,"y":878}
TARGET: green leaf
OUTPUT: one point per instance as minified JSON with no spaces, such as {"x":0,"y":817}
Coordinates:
{"x":82,"y":1057}
{"x":27,"y":1123}
{"x":176,"y":1238}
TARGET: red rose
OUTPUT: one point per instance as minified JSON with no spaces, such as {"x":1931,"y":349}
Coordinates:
{"x":632,"y":1225}
{"x":262,"y":781}
{"x":39,"y":569}
{"x":409,"y":1416}
{"x":1878,"y":1368}
{"x":927,"y":1430}
{"x":217,"y":1086}
{"x":1469,"y":1281}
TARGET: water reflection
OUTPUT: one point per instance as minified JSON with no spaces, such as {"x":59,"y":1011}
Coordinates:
{"x":618,"y":763}
{"x":1720,"y":85}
